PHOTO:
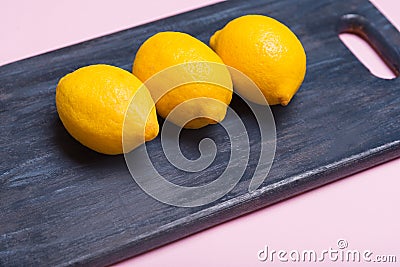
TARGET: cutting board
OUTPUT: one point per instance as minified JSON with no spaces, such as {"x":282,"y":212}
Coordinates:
{"x":62,"y":204}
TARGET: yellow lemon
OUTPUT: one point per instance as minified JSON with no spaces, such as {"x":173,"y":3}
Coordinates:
{"x":266,"y":51}
{"x":183,"y":73}
{"x":93,"y":101}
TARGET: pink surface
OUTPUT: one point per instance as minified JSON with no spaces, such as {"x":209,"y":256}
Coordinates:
{"x":33,"y":27}
{"x":363,"y":208}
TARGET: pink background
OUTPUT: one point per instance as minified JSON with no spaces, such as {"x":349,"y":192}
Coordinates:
{"x":363,"y":208}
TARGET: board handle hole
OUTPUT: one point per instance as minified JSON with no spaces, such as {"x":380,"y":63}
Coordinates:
{"x":369,"y":46}
{"x":367,"y":55}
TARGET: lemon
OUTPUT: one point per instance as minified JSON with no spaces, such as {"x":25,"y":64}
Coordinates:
{"x":182,"y":69}
{"x":265,"y":50}
{"x":92,"y":103}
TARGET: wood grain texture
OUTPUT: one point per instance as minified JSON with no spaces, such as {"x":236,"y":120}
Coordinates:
{"x":62,"y":204}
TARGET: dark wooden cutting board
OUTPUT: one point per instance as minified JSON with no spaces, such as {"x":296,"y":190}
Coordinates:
{"x":62,"y":204}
